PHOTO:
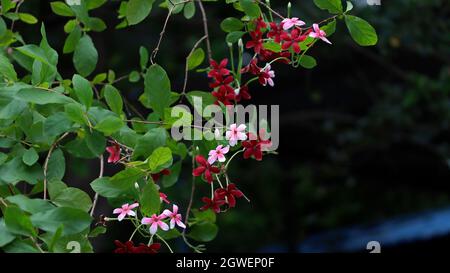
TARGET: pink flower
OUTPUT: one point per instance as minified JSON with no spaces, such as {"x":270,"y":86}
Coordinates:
{"x":218,"y":154}
{"x":267,"y":76}
{"x":155,"y":221}
{"x":175,"y":218}
{"x":319,"y":34}
{"x":125,"y":210}
{"x":114,"y":153}
{"x":236,"y":133}
{"x":163,"y":198}
{"x":290,"y":22}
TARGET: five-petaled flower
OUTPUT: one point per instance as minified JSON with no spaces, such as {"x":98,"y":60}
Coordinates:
{"x":218,"y":69}
{"x":125,"y":210}
{"x":266,"y":76}
{"x":114,"y":153}
{"x":205,"y":168}
{"x":155,"y":221}
{"x":235,"y":134}
{"x":290,"y":22}
{"x":255,"y":145}
{"x":292,"y":40}
{"x":174,"y":216}
{"x":319,"y":34}
{"x":230,"y":193}
{"x":218,"y":154}
{"x":213,"y":204}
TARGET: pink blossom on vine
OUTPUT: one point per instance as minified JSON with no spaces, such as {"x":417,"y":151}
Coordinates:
{"x":114,"y":153}
{"x":204,"y":169}
{"x":175,"y":217}
{"x":125,"y":210}
{"x":235,"y":134}
{"x":266,"y":76}
{"x":290,"y":22}
{"x":218,"y":154}
{"x":155,"y":222}
{"x":163,"y":198}
{"x":319,"y":34}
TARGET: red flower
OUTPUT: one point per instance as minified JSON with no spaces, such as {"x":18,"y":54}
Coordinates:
{"x":205,"y":168}
{"x":114,"y":153}
{"x":257,"y":41}
{"x":293,"y":40}
{"x":243,"y":94}
{"x":128,"y":247}
{"x":253,"y":146}
{"x":252,"y":68}
{"x":157,"y":176}
{"x":218,"y":69}
{"x":163,"y":198}
{"x":223,"y":84}
{"x":260,"y":24}
{"x":275,"y":32}
{"x":213,"y":204}
{"x":231,"y":193}
{"x":223,"y":96}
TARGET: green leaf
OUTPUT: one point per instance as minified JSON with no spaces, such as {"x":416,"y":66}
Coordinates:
{"x":200,"y":99}
{"x":308,"y":62}
{"x":42,"y":97}
{"x":157,"y":89}
{"x":160,"y":159}
{"x":233,"y":37}
{"x":109,"y":125}
{"x":333,"y":6}
{"x":172,"y":178}
{"x":134,"y":76}
{"x":3,"y":27}
{"x":361,"y":31}
{"x":72,"y":40}
{"x":231,"y":24}
{"x":6,"y":68}
{"x":119,"y":184}
{"x":61,"y":9}
{"x":17,"y":222}
{"x":57,"y":124}
{"x":113,"y":99}
{"x":272,"y":46}
{"x":30,"y":205}
{"x":204,"y":216}
{"x":149,"y":199}
{"x":56,"y":165}
{"x":143,"y":57}
{"x":203,"y":232}
{"x":99,"y":230}
{"x":5,"y":236}
{"x":75,"y":113}
{"x":73,"y":220}
{"x":146,"y":144}
{"x":73,"y":198}
{"x":96,"y":142}
{"x":85,"y":56}
{"x":27,"y":18}
{"x":30,"y":156}
{"x":196,"y":58}
{"x":250,"y":8}
{"x":138,"y":10}
{"x":83,"y":90}
{"x":189,"y":10}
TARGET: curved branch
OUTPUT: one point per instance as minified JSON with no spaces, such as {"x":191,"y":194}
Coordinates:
{"x":47,"y":159}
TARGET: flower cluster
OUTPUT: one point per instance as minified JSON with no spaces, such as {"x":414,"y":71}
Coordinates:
{"x":215,"y":166}
{"x":129,"y":247}
{"x":288,"y":34}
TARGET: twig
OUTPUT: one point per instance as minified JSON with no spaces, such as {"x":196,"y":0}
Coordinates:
{"x":191,"y":199}
{"x":94,"y":204}
{"x":161,"y":35}
{"x":186,"y":71}
{"x":205,"y":27}
{"x":49,"y":154}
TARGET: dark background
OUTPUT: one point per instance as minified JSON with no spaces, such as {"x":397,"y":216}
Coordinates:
{"x":364,"y":136}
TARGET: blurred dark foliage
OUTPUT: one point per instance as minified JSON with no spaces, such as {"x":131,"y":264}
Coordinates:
{"x":364,"y":136}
